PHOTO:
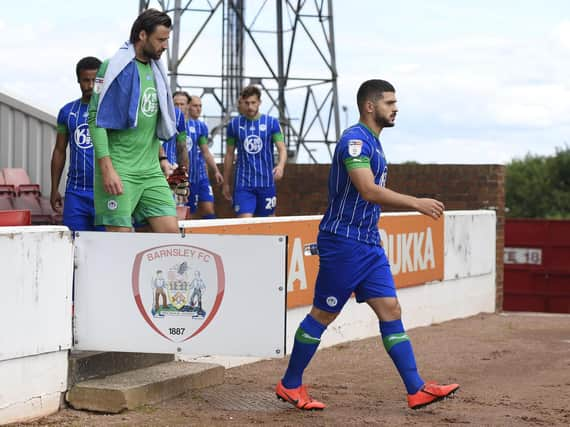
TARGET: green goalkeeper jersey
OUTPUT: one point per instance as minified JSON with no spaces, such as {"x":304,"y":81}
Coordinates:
{"x":134,"y":152}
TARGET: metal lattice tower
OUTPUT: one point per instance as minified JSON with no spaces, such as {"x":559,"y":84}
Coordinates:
{"x":286,"y":47}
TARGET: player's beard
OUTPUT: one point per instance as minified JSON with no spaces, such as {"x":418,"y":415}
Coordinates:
{"x":383,"y":122}
{"x":150,"y":53}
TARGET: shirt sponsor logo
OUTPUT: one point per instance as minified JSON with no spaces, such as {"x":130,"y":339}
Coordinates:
{"x":354,"y":147}
{"x":82,"y":137}
{"x":149,"y":102}
{"x":253,"y":144}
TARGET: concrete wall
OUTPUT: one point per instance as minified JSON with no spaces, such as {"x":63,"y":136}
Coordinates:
{"x":468,"y":287}
{"x":35,"y":319}
{"x":35,"y":311}
{"x":27,"y":138}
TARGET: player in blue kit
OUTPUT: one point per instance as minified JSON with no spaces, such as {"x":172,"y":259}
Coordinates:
{"x":72,"y":130}
{"x":170,"y":147}
{"x":351,"y":256}
{"x":201,"y":200}
{"x":254,"y":136}
{"x":203,"y":188}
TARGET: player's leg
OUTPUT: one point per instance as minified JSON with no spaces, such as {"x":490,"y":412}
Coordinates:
{"x":206,"y":200}
{"x":156,"y":206}
{"x":77,"y":212}
{"x":379,"y":292}
{"x":244,"y":201}
{"x":114,"y":211}
{"x":266,"y":201}
{"x":193,"y":199}
{"x":335,"y":282}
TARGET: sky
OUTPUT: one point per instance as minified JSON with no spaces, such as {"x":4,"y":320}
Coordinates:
{"x":477,"y":81}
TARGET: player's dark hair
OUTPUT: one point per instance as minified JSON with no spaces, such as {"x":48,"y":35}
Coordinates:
{"x":250,"y":90}
{"x":372,"y":90}
{"x":183,"y":93}
{"x":87,"y":63}
{"x":148,"y":21}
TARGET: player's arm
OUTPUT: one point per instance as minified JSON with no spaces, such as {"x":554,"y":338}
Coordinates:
{"x":165,"y":165}
{"x":111,"y":181}
{"x":363,"y":179}
{"x":279,"y":141}
{"x":210,"y":161}
{"x":229,"y":162}
{"x":181,"y":149}
{"x":58,"y":158}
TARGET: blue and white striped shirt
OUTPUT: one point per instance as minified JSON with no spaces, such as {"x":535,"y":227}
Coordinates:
{"x":203,"y":172}
{"x":254,"y":141}
{"x":72,"y":121}
{"x":196,"y":135}
{"x":170,"y":145}
{"x":349,"y":215}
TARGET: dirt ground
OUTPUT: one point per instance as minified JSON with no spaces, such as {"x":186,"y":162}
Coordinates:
{"x":513,"y":369}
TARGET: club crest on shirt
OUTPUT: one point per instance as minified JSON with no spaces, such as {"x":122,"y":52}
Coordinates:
{"x":98,"y":85}
{"x":262,"y":128}
{"x":354,"y":147}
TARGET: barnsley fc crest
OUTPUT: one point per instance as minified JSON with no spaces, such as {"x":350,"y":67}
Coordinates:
{"x":178,"y":289}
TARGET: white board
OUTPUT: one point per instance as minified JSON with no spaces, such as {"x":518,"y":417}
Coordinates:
{"x":167,"y":293}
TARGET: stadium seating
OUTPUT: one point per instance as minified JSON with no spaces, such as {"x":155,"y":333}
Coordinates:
{"x":19,"y":193}
{"x":18,"y":177}
{"x":7,"y":193}
{"x":15,"y":218}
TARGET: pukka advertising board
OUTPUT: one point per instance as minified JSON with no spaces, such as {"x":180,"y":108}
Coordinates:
{"x":167,"y":293}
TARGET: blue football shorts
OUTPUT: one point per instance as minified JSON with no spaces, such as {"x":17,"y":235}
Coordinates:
{"x":348,"y":266}
{"x":79,"y":211}
{"x":200,"y":192}
{"x":259,"y":201}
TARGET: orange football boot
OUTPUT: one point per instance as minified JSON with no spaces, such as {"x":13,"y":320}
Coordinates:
{"x":430,"y":393}
{"x":299,"y":397}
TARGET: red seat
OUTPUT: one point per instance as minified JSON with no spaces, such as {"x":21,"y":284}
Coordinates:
{"x":15,"y":218}
{"x":18,"y":177}
{"x":55,"y":218}
{"x":31,"y":202}
{"x":7,"y":194}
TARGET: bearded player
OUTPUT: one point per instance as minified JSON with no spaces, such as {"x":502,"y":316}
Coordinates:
{"x":352,"y":259}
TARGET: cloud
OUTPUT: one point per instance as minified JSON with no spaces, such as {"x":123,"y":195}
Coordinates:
{"x":561,"y":34}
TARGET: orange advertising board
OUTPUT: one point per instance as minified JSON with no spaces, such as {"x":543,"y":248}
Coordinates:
{"x":413,"y":243}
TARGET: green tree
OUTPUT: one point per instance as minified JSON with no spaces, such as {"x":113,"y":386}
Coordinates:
{"x":539,"y":186}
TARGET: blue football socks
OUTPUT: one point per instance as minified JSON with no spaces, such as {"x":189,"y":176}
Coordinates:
{"x":307,"y":340}
{"x":397,"y":344}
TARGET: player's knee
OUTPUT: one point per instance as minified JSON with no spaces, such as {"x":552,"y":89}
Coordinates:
{"x":393,"y":309}
{"x":323,"y":317}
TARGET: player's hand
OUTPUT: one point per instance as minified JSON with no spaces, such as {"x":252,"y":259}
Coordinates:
{"x":112,"y":183}
{"x":226,"y":191}
{"x":219,"y":178}
{"x":56,"y":201}
{"x":167,"y":167}
{"x":430,"y":207}
{"x":277,"y":173}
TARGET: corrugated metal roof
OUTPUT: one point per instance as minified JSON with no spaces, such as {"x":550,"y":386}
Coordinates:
{"x":27,"y":138}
